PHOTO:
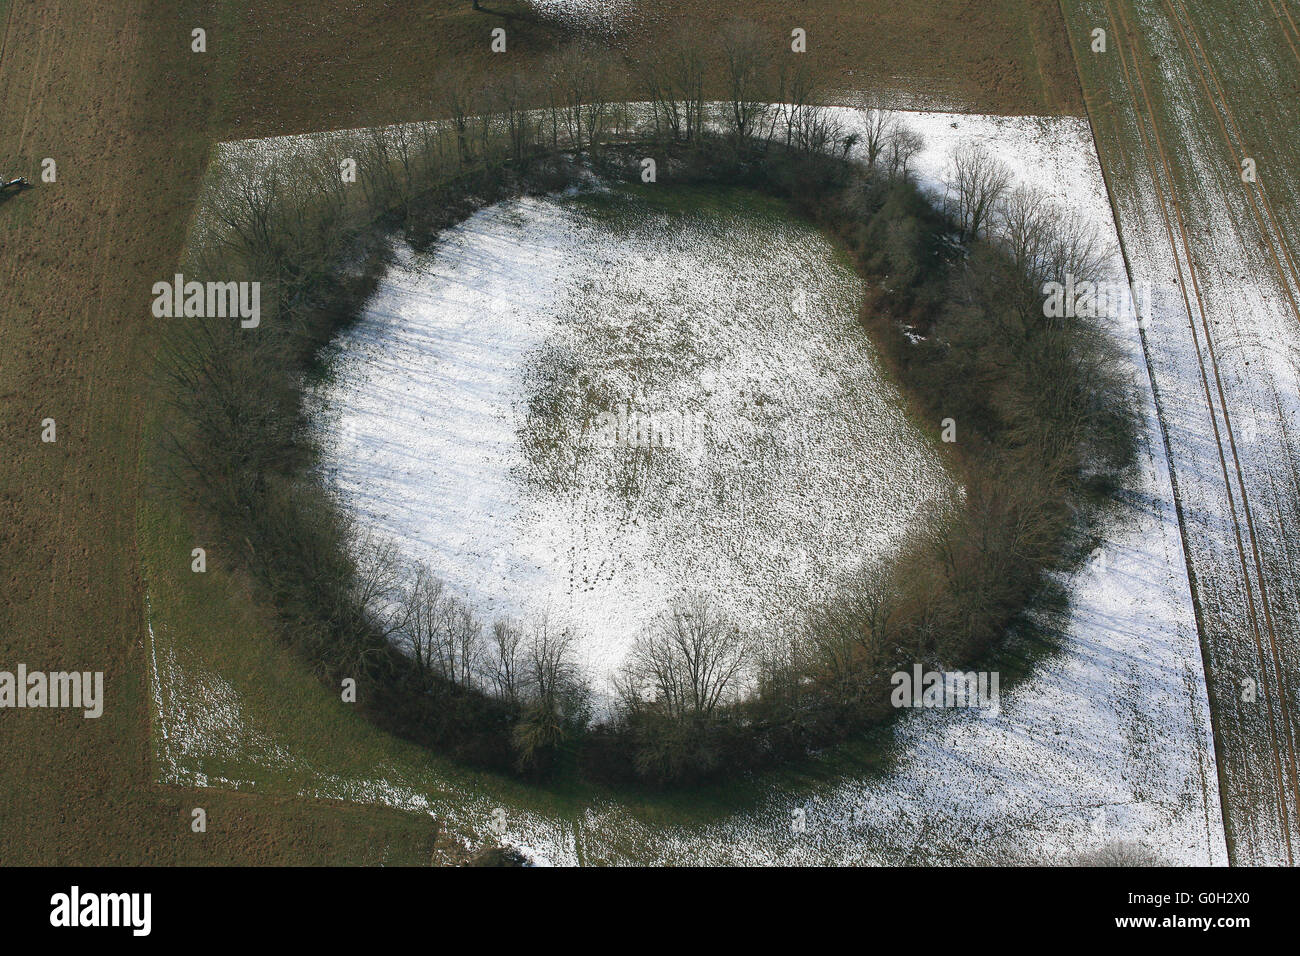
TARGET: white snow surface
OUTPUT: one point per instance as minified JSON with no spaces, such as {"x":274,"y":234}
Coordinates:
{"x":795,"y":466}
{"x":599,"y":16}
{"x":1107,"y":741}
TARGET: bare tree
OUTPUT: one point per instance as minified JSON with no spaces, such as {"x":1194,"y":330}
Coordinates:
{"x":674,"y":83}
{"x":452,"y":97}
{"x":378,"y":575}
{"x":549,"y":669}
{"x":1039,"y":243}
{"x":849,"y":637}
{"x":490,"y":125}
{"x":745,"y":63}
{"x":438,"y":631}
{"x":878,"y":128}
{"x":1023,"y":229}
{"x":1076,"y":249}
{"x":581,"y":74}
{"x":507,"y":669}
{"x":375,"y":167}
{"x":353,"y":594}
{"x":902,"y":146}
{"x":420,"y":620}
{"x":556,"y":698}
{"x":781,"y":664}
{"x":806,"y":126}
{"x":510,"y":100}
{"x":1123,"y":853}
{"x":247,"y":212}
{"x":689,"y":662}
{"x":461,"y":649}
{"x":976,"y":184}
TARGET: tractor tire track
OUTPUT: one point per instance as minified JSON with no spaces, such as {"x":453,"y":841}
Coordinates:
{"x":1281,"y":743}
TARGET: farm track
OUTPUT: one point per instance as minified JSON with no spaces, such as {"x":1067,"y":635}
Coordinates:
{"x":1278,"y":793}
{"x":1277,"y":240}
{"x":1145,"y":104}
{"x":1221,"y":106}
{"x":1287,"y":24}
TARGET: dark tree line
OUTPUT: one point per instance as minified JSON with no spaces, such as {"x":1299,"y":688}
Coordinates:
{"x":955,"y":304}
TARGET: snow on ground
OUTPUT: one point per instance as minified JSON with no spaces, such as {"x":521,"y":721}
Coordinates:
{"x":475,"y":415}
{"x":602,"y":16}
{"x":1107,"y":741}
{"x":1237,"y":292}
{"x":198,"y":720}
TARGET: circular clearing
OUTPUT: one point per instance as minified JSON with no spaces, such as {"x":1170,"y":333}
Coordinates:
{"x":580,"y":409}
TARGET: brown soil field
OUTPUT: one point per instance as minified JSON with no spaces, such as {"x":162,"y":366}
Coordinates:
{"x":113,"y":94}
{"x":340,"y":63}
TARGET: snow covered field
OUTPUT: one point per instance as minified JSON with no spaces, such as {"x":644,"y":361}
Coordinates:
{"x":1106,"y":741}
{"x":1224,"y":351}
{"x":581,"y":420}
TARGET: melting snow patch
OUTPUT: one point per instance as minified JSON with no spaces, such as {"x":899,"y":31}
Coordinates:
{"x":603,"y":16}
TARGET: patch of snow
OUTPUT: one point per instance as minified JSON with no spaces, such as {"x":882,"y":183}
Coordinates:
{"x":787,"y":464}
{"x":598,"y":16}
